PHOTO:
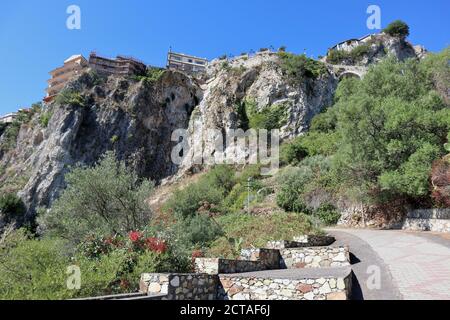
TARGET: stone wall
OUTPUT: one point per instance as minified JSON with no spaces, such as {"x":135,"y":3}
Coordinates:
{"x":314,"y":257}
{"x":250,"y":260}
{"x":437,"y":220}
{"x":180,"y":286}
{"x":217,"y":265}
{"x":263,"y":288}
{"x":302,"y":241}
{"x":246,"y":286}
{"x":269,"y":258}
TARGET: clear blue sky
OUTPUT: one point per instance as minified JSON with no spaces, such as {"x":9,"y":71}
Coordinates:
{"x":35,"y":39}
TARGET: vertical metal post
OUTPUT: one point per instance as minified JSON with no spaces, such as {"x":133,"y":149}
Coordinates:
{"x":248,"y":195}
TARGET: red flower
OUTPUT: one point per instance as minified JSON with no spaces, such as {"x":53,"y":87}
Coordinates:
{"x":135,"y":236}
{"x":156,"y":245}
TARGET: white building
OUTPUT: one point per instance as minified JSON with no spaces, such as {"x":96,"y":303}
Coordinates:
{"x":186,"y":63}
{"x":8,"y":118}
{"x":350,"y":44}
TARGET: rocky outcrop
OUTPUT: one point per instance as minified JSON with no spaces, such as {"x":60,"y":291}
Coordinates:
{"x":259,"y":79}
{"x":373,"y":49}
{"x":135,"y":119}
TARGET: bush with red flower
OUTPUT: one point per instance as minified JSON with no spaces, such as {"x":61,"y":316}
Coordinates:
{"x":139,"y":252}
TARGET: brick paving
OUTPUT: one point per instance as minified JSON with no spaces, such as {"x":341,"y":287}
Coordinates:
{"x":418,"y":263}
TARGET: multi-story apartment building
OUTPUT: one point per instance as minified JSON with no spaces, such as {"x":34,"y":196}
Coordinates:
{"x":186,"y":63}
{"x":121,"y":65}
{"x":72,"y":67}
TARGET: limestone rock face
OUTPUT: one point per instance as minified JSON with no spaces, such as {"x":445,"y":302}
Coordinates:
{"x":260,"y":79}
{"x":132,"y":118}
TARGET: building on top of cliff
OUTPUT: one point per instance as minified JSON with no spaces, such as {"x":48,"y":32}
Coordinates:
{"x":186,"y":63}
{"x":60,"y":76}
{"x":121,"y":65}
{"x":8,"y":118}
{"x":350,"y":44}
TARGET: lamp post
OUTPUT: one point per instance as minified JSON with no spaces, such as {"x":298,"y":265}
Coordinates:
{"x":248,"y":194}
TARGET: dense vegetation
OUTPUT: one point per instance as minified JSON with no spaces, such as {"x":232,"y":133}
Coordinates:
{"x":11,"y":131}
{"x":70,"y":97}
{"x":381,"y":136}
{"x":397,"y":28}
{"x":353,"y":56}
{"x":297,"y":67}
{"x":105,"y":199}
{"x":152,"y":75}
{"x":270,"y":117}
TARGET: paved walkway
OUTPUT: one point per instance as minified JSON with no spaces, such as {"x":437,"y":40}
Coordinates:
{"x":413,"y":265}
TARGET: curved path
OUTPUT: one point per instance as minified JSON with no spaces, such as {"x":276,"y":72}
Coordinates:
{"x":411,"y":265}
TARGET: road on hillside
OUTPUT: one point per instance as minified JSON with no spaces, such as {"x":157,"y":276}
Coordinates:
{"x":395,"y":264}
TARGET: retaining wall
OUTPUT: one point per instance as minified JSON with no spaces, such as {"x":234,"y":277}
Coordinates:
{"x":302,"y":241}
{"x":259,"y":285}
{"x":314,"y":257}
{"x":437,"y":220}
{"x":180,"y":286}
{"x":248,"y":287}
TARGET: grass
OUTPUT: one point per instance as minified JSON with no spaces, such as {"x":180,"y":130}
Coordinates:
{"x":247,"y":231}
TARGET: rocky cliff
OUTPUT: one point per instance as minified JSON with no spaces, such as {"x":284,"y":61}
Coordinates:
{"x":136,"y":119}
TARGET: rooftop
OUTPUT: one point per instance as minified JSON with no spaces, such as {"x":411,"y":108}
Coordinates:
{"x":74,"y":57}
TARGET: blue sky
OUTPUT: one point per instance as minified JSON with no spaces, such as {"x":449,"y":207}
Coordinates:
{"x":35,"y":39}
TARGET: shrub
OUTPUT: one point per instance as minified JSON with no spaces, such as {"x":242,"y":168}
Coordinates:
{"x":354,"y":56}
{"x":336,"y":56}
{"x":250,"y":171}
{"x":11,"y":132}
{"x":152,"y":75}
{"x":70,"y":97}
{"x":185,"y":203}
{"x":292,"y":152}
{"x":32,"y":269}
{"x":221,"y":177}
{"x":198,"y":231}
{"x":296,"y":67}
{"x":207,"y":193}
{"x":11,"y":206}
{"x":397,"y":28}
{"x":45,"y":118}
{"x":359,"y":52}
{"x":328,"y":214}
{"x":269,"y":118}
{"x":114,"y":139}
{"x":107,"y":198}
{"x":292,"y":183}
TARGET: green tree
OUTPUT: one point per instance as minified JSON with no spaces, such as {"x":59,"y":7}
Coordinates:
{"x":292,"y":186}
{"x":11,"y":206}
{"x":397,"y":28}
{"x":391,"y":125}
{"x":108,"y":198}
